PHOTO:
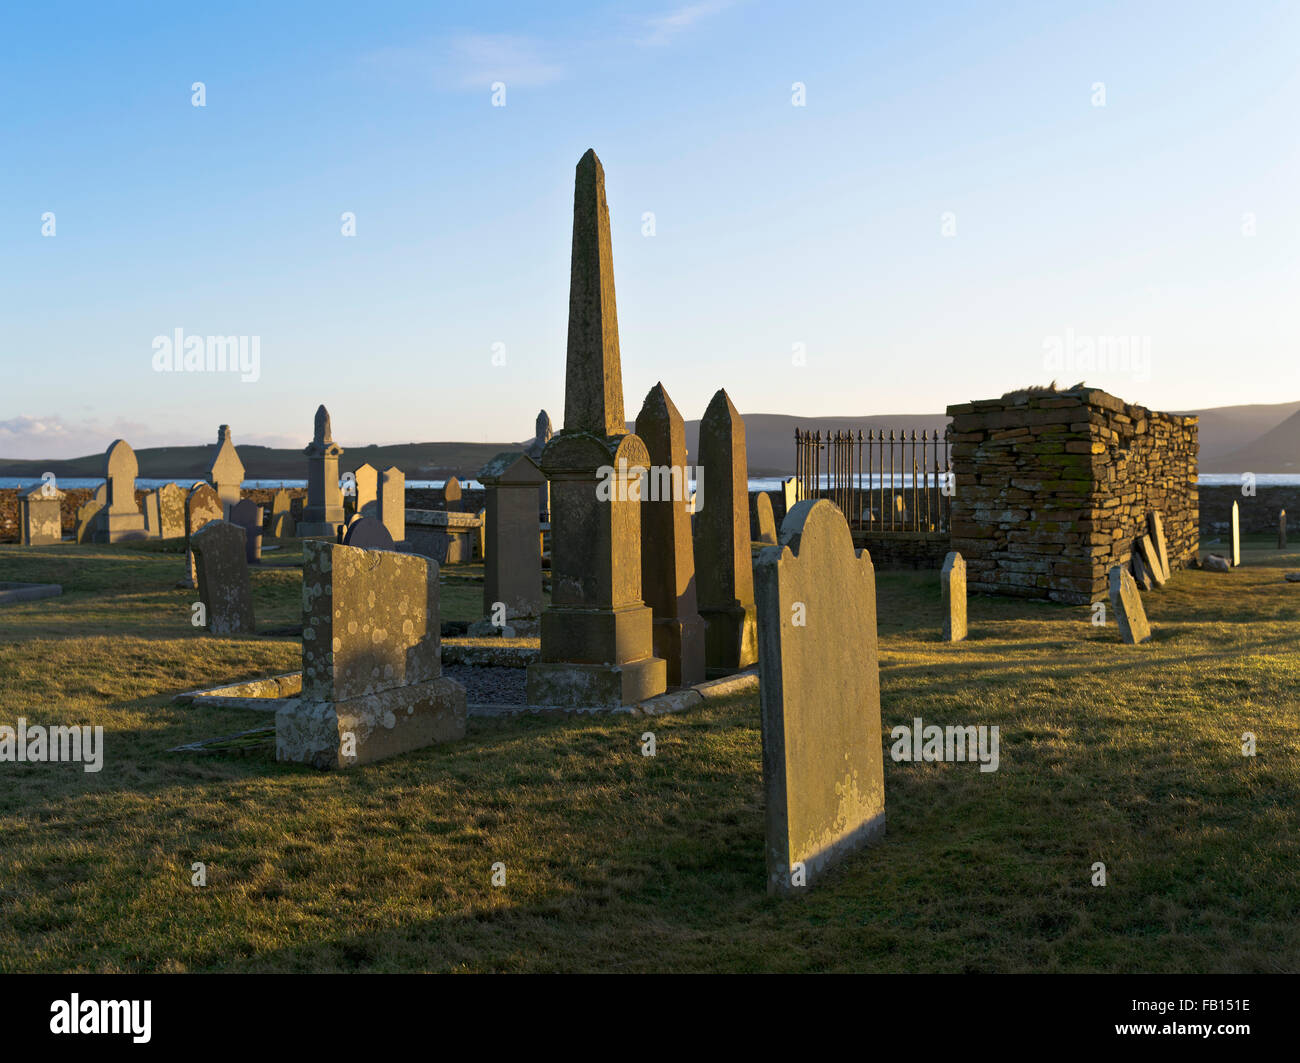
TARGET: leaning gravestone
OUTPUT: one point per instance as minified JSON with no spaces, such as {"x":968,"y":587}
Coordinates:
{"x":762,"y":523}
{"x":121,"y":519}
{"x":1236,"y":535}
{"x":247,"y":514}
{"x":952,"y":582}
{"x":201,"y":506}
{"x":1281,"y":530}
{"x":1139,"y":570}
{"x":724,"y":568}
{"x":171,"y":511}
{"x":1151,"y":559}
{"x":1127,"y":603}
{"x":372,"y":682}
{"x":224,"y":589}
{"x":368,"y":533}
{"x":41,"y":515}
{"x":1156,"y":530}
{"x":451,"y":495}
{"x":819,"y":690}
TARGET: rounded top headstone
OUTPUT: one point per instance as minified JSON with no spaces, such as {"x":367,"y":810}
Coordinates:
{"x":368,"y":533}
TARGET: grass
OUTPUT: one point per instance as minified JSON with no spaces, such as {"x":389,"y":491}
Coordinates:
{"x":619,"y":862}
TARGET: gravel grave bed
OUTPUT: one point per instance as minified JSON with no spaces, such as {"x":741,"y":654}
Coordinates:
{"x":489,"y":685}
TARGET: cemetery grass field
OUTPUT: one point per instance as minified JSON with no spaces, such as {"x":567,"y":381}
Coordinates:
{"x":1129,"y":755}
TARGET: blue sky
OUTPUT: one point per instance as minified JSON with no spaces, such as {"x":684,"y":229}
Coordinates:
{"x":948,"y":212}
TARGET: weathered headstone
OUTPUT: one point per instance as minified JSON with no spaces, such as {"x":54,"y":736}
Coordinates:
{"x":222,"y":567}
{"x":542,"y":436}
{"x":952,"y":581}
{"x":282,"y":523}
{"x":667,"y":553}
{"x":597,"y":634}
{"x":323,"y":514}
{"x":392,"y":502}
{"x":762,"y":525}
{"x":367,"y":533}
{"x":819,"y":691}
{"x":372,"y":683}
{"x":790,"y":494}
{"x":1236,"y":535}
{"x":512,"y":565}
{"x":171,"y":511}
{"x":1127,"y":604}
{"x":88,"y":515}
{"x":366,"y":501}
{"x":201,"y":506}
{"x":152,"y":515}
{"x":226,"y":473}
{"x":247,"y":514}
{"x":1139,"y":569}
{"x":121,"y":519}
{"x":1281,"y":530}
{"x":1156,"y":530}
{"x":1151,"y":559}
{"x":451,"y":495}
{"x":723,"y":561}
{"x":40,"y":517}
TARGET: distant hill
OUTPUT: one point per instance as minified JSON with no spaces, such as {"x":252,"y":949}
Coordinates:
{"x":1258,"y":438}
{"x":1277,"y":450}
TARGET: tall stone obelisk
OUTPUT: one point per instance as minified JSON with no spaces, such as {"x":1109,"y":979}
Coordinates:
{"x":597,"y":634}
{"x":324,"y":510}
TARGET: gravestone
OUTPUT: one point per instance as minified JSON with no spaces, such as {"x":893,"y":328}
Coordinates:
{"x":1139,"y":570}
{"x":248,"y":515}
{"x":790,"y":494}
{"x":1127,"y":605}
{"x":667,"y":552}
{"x":392,"y":503}
{"x":372,"y":682}
{"x":1281,"y":530}
{"x":723,"y":561}
{"x":512,"y":566}
{"x":367,"y":533}
{"x":952,"y":581}
{"x":152,"y":515}
{"x":171,"y":511}
{"x":222,"y":568}
{"x":88,"y":515}
{"x":201,"y":506}
{"x":451,"y":495}
{"x":366,"y":501}
{"x":121,"y":519}
{"x":1236,"y":535}
{"x":819,"y":692}
{"x":478,"y":550}
{"x":1150,"y":559}
{"x":226,"y":473}
{"x":282,"y":523}
{"x":40,"y":517}
{"x":541,"y":436}
{"x":597,"y":635}
{"x":1156,"y":530}
{"x":762,"y":525}
{"x":323,"y":514}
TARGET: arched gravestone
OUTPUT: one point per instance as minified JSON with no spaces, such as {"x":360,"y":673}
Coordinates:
{"x":282,"y":524}
{"x":201,"y":506}
{"x":819,"y":691}
{"x":762,"y":522}
{"x":248,"y":515}
{"x":121,"y":519}
{"x":366,"y":501}
{"x":368,"y":533}
{"x":88,"y":514}
{"x":451,"y":495}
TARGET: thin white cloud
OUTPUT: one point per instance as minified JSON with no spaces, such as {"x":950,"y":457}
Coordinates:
{"x":470,"y":61}
{"x":661,"y":29}
{"x":29,"y":438}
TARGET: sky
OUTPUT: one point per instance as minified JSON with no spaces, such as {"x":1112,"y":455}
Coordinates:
{"x":828,"y":209}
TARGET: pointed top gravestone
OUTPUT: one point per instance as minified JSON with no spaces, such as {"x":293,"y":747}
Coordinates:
{"x":451,"y":495}
{"x":667,"y":557}
{"x":723,"y":561}
{"x":593,"y":384}
{"x":321,"y":429}
{"x":367,"y":484}
{"x":226,"y":473}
